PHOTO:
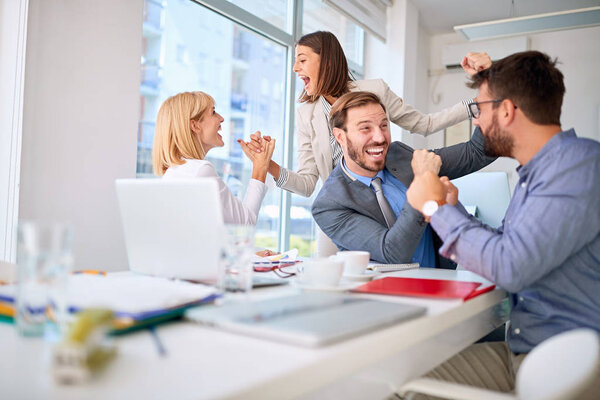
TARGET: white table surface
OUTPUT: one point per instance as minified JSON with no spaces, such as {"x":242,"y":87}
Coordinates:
{"x":205,"y":363}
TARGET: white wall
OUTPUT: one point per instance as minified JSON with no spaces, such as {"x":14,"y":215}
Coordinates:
{"x":13,"y":31}
{"x":399,"y":61}
{"x":80,"y":119}
{"x":579,"y":56}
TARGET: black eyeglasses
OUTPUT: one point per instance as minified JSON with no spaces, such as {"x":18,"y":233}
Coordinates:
{"x":474,"y":106}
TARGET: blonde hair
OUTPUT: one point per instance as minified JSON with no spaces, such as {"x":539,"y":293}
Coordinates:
{"x":173,"y":138}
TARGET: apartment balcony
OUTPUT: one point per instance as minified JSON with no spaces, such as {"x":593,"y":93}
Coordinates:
{"x":150,"y":77}
{"x":239,"y":102}
{"x":153,"y":18}
{"x":145,"y":134}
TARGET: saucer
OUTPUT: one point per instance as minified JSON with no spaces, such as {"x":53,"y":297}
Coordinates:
{"x":365,"y":276}
{"x":342,"y":287}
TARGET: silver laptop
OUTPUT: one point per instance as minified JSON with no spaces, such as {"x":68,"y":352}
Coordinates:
{"x":307,"y":319}
{"x":172,"y":227}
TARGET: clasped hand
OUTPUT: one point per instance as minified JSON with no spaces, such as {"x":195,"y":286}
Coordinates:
{"x":426,"y":184}
{"x":260,"y":159}
{"x":259,"y":150}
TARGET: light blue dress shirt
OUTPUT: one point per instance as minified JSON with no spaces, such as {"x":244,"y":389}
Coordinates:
{"x":547,"y":251}
{"x":395,"y":193}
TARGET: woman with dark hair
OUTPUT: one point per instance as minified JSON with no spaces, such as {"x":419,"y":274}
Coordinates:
{"x":321,"y":64}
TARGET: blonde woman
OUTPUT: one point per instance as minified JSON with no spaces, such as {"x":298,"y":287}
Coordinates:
{"x":187,"y":127}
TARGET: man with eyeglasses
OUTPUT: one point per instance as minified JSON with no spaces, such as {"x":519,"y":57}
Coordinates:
{"x":547,"y":251}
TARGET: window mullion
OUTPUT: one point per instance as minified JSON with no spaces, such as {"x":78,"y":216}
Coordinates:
{"x":295,"y":11}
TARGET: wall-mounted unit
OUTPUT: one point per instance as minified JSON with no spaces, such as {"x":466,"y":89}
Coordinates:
{"x":452,"y":54}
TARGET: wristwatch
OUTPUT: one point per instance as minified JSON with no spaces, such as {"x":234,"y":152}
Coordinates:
{"x":430,"y":207}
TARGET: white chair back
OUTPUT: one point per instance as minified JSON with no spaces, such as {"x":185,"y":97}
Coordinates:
{"x":325,"y":246}
{"x":560,"y":367}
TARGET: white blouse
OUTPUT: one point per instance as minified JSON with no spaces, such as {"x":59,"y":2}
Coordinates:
{"x":234,"y":210}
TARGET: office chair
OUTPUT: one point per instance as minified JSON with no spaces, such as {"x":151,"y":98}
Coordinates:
{"x":325,"y":246}
{"x":561,"y":367}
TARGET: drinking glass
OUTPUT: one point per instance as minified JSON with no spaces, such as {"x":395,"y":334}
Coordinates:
{"x":236,"y":265}
{"x":44,"y":261}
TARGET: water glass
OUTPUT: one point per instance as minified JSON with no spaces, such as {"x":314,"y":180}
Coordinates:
{"x":236,"y":265}
{"x":44,"y":261}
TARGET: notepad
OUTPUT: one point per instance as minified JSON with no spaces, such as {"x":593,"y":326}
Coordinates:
{"x":437,"y":288}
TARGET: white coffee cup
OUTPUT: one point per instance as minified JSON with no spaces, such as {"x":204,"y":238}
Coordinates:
{"x":355,"y":262}
{"x":320,"y":271}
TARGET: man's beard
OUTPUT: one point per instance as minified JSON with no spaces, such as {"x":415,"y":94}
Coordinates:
{"x":497,"y":143}
{"x":358,"y":156}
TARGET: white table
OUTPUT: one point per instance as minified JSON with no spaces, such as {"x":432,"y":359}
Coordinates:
{"x":207,"y":363}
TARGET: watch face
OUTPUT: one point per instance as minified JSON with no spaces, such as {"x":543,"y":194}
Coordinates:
{"x":430,"y":207}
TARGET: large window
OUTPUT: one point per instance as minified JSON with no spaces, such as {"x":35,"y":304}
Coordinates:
{"x":274,"y":12}
{"x":318,"y":16}
{"x":195,"y":45}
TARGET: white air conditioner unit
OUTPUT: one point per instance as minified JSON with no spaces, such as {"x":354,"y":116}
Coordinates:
{"x":452,"y":54}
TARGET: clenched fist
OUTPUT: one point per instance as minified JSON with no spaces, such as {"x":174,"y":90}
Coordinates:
{"x":425,"y":160}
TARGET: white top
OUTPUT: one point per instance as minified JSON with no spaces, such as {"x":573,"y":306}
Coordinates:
{"x":234,"y":210}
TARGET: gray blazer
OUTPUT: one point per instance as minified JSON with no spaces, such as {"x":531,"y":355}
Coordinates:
{"x":347,"y":210}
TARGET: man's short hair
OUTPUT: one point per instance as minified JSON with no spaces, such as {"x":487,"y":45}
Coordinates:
{"x":339,"y":110}
{"x":531,"y":81}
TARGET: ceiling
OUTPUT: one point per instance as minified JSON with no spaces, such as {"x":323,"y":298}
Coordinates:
{"x":440,"y":16}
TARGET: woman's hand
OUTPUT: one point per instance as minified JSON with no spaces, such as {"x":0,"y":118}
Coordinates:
{"x":256,"y":144}
{"x":472,"y":63}
{"x":260,"y":160}
{"x":266,"y":253}
{"x":257,"y":141}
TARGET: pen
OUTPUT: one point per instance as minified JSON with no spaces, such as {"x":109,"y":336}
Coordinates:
{"x":282,"y":262}
{"x":280,"y":257}
{"x":91,"y":272}
{"x":159,"y":346}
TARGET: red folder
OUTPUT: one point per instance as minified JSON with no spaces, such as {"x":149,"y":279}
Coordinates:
{"x":418,"y":287}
